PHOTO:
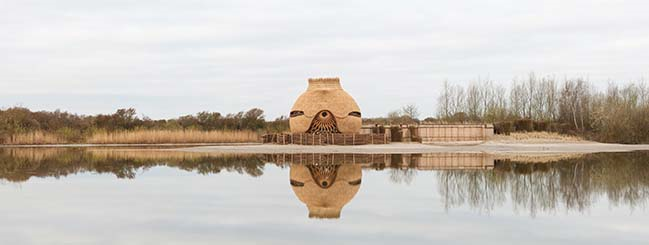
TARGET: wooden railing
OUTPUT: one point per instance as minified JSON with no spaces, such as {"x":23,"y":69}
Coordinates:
{"x":326,"y":139}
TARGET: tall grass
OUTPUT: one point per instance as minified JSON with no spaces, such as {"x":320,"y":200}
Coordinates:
{"x":33,"y":138}
{"x":172,"y":136}
{"x":537,"y":137}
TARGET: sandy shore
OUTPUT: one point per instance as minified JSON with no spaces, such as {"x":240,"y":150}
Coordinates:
{"x":403,"y":148}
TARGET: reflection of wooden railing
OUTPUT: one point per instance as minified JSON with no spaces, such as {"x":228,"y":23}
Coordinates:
{"x":444,"y":161}
{"x":435,"y":161}
{"x":316,"y":158}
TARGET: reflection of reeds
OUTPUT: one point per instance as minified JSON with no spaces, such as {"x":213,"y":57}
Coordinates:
{"x":537,"y":158}
{"x":33,"y":138}
{"x":20,"y":164}
{"x":32,"y":154}
{"x":151,"y":154}
{"x":172,"y":136}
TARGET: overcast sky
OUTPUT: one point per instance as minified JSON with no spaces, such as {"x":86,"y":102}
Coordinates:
{"x":171,"y":58}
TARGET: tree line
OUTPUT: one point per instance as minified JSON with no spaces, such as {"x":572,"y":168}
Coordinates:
{"x":74,"y":127}
{"x":620,"y":113}
{"x":570,"y":184}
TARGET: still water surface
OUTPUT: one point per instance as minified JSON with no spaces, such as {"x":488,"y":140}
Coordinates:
{"x":128,"y":196}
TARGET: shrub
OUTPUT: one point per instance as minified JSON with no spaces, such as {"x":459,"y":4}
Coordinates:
{"x":540,"y":126}
{"x":503,"y":127}
{"x":395,"y":134}
{"x":525,"y":125}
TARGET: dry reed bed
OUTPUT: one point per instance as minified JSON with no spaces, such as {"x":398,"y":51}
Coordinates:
{"x":172,"y":136}
{"x":139,"y":137}
{"x":33,"y":138}
{"x":537,"y":137}
{"x":32,"y":154}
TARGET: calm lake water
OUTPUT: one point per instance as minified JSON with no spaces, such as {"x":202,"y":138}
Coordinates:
{"x":129,"y":196}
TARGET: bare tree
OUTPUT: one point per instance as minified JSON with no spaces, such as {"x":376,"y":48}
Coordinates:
{"x":518,"y":99}
{"x":473,"y":101}
{"x":444,"y":102}
{"x":394,"y":117}
{"x":574,"y":103}
{"x":410,"y":111}
{"x":549,"y":87}
{"x":458,"y":99}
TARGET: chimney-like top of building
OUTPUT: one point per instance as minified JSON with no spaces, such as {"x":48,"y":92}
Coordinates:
{"x":324,"y":83}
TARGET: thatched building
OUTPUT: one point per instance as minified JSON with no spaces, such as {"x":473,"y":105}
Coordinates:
{"x":325,"y":108}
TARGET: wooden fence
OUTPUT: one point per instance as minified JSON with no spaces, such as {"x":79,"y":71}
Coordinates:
{"x":326,"y":139}
{"x":431,"y":133}
{"x":459,"y":132}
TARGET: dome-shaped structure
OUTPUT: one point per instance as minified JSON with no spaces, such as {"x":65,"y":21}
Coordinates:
{"x":325,"y":188}
{"x":325,"y":108}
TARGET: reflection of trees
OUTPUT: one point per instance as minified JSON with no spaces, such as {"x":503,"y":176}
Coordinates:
{"x":474,"y":187}
{"x":574,"y":184}
{"x":402,"y":175}
{"x":21,"y":164}
{"x":403,"y":170}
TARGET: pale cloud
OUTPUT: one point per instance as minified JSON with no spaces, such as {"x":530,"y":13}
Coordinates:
{"x":232,"y":55}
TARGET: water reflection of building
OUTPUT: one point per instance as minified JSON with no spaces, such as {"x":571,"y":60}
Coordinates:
{"x":325,"y":188}
{"x":431,"y":161}
{"x":531,"y":182}
{"x":442,"y":161}
{"x":325,"y":183}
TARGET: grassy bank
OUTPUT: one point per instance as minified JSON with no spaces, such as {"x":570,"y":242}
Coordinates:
{"x":144,"y":136}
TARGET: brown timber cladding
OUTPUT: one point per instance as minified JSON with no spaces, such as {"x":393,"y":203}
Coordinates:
{"x":437,"y":133}
{"x":430,"y":133}
{"x":325,"y":139}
